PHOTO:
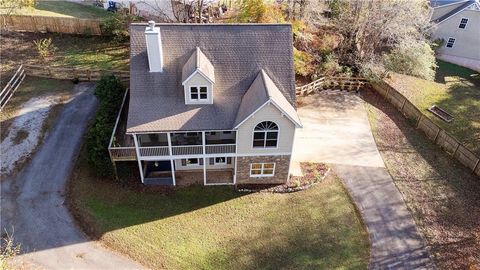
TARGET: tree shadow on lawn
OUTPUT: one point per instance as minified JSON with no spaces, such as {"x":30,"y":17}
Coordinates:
{"x":463,"y":103}
{"x":443,"y":195}
{"x":463,"y":74}
{"x":120,"y":206}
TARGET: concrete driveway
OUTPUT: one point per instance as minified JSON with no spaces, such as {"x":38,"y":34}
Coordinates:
{"x":33,"y":202}
{"x":337,"y":131}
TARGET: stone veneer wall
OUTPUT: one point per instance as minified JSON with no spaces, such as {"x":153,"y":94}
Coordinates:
{"x":282,"y":165}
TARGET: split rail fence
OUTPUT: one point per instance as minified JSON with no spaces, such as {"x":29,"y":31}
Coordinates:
{"x":434,"y":132}
{"x":12,"y":85}
{"x":70,"y":73}
{"x":44,"y":24}
{"x":61,"y":73}
{"x":338,"y":83}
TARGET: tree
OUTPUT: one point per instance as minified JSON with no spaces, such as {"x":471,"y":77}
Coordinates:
{"x":371,"y":28}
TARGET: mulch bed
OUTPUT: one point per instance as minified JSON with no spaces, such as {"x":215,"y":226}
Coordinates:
{"x":313,"y":173}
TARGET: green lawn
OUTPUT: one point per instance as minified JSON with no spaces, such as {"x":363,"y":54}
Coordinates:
{"x":219,"y":228}
{"x":63,"y":9}
{"x":81,"y":52}
{"x":455,"y":89}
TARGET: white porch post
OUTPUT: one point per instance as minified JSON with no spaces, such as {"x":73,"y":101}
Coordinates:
{"x":236,"y":157}
{"x":172,"y":163}
{"x":204,"y":159}
{"x":137,"y":150}
{"x":169,"y":140}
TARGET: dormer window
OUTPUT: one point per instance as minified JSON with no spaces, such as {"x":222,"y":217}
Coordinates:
{"x":198,"y":79}
{"x":198,"y":93}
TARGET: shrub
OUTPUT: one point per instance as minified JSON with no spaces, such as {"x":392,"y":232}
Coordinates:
{"x":303,"y":62}
{"x":116,"y":26}
{"x":44,"y":47}
{"x":416,"y":59}
{"x":109,"y":92}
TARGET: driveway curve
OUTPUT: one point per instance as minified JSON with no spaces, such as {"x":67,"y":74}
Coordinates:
{"x":337,"y":131}
{"x":33,"y":201}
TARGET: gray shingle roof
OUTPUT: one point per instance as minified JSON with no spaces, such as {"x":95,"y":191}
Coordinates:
{"x":198,"y":61}
{"x":237,"y":52}
{"x":261,"y":91}
{"x":454,"y":11}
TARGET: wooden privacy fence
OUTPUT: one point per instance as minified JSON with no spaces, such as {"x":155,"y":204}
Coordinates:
{"x":435,"y":133}
{"x":70,"y":73}
{"x":11,"y":87}
{"x":52,"y":24}
{"x":324,"y":83}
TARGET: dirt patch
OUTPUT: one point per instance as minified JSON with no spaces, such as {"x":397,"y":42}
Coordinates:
{"x":20,"y":143}
{"x":442,"y":194}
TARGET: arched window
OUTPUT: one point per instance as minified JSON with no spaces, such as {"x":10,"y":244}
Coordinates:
{"x":265,"y":135}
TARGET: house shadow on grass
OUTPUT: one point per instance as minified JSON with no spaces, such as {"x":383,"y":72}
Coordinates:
{"x":442,"y":194}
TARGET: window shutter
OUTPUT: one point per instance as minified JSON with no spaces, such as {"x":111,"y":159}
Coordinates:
{"x":200,"y":161}
{"x":212,"y":161}
{"x":229,"y":160}
{"x":184,"y":162}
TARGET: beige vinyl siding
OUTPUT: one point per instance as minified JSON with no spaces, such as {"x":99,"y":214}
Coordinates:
{"x":440,"y":11}
{"x":198,"y":80}
{"x":467,"y":41}
{"x":267,"y":113}
{"x":179,"y":167}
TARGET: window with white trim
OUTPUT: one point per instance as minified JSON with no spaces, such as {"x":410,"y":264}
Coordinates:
{"x":262,"y":169}
{"x":463,"y":23}
{"x":198,"y":93}
{"x":220,"y":160}
{"x":265,"y":135}
{"x":192,"y":162}
{"x":450,"y":43}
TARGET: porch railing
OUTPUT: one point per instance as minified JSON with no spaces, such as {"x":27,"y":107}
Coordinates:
{"x":123,"y":153}
{"x":220,"y":148}
{"x":153,"y":151}
{"x":180,"y":150}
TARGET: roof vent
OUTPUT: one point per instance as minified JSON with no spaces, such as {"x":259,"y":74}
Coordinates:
{"x":154,"y":47}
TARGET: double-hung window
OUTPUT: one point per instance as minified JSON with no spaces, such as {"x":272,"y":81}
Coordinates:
{"x":265,"y":135}
{"x":198,"y":93}
{"x":450,"y":43}
{"x":262,"y":169}
{"x":463,"y":23}
{"x":220,"y":160}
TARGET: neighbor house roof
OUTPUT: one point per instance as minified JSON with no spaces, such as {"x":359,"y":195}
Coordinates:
{"x":200,"y":63}
{"x":437,"y":3}
{"x":263,"y":91}
{"x":455,"y":11}
{"x":238,"y":52}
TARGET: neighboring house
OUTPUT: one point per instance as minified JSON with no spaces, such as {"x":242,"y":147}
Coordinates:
{"x":458,"y":24}
{"x":211,"y":103}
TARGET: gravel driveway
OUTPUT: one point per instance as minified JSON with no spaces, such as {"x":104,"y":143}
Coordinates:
{"x":33,"y":202}
{"x":337,"y":131}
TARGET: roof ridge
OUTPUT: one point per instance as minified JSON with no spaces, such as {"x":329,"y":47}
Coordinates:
{"x":264,"y":79}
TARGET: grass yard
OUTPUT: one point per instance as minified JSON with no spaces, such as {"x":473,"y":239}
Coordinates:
{"x":62,"y":9}
{"x":219,"y":228}
{"x":442,"y":194}
{"x":82,"y":52}
{"x":455,"y":89}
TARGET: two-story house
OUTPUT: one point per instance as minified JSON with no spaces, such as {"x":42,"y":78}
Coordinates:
{"x":209,"y":103}
{"x":458,"y":24}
